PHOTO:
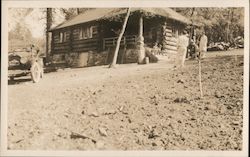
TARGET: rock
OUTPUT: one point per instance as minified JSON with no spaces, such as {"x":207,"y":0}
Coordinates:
{"x":241,"y":64}
{"x":19,"y":140}
{"x":103,"y":132}
{"x":129,"y":120}
{"x":180,"y":81}
{"x":206,"y":108}
{"x":218,"y":95}
{"x":110,"y":112}
{"x":83,"y":112}
{"x":192,"y":118}
{"x":97,"y":91}
{"x":66,"y":115}
{"x":121,"y":108}
{"x":238,"y":103}
{"x":235,"y":122}
{"x":94,"y":114}
{"x":229,"y":107}
{"x":154,"y":97}
{"x":156,"y":103}
{"x":182,"y":100}
{"x":152,"y":134}
{"x":135,"y":130}
{"x":154,"y":144}
{"x":76,"y":136}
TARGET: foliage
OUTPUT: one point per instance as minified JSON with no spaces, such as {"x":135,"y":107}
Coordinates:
{"x":20,"y":36}
{"x":72,"y":12}
{"x":220,"y":24}
{"x":20,"y":32}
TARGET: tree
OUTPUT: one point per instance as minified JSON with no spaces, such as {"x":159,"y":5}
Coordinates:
{"x":119,"y":39}
{"x":221,"y":24}
{"x":48,"y":27}
{"x":69,"y":12}
{"x":72,"y":12}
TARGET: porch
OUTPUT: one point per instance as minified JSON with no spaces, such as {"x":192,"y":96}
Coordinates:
{"x":125,"y":41}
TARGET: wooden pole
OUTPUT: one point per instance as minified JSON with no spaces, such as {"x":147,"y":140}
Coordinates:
{"x":141,"y":49}
{"x":119,"y":40}
{"x":200,"y":82}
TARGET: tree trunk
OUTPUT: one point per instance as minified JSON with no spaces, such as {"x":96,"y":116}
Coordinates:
{"x":228,"y":26}
{"x":193,"y":34}
{"x":119,"y":39}
{"x":231,"y":23}
{"x":77,"y":11}
{"x":141,"y":42}
{"x":49,"y":24}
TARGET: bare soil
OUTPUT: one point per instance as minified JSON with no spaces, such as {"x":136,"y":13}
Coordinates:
{"x":131,"y":107}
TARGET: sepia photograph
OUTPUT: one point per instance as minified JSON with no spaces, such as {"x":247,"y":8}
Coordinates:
{"x":125,"y":78}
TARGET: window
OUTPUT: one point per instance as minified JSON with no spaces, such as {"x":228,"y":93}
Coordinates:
{"x":94,"y":30}
{"x":63,"y":37}
{"x":87,"y":32}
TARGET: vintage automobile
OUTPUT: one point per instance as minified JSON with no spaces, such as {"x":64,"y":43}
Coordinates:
{"x":218,"y":46}
{"x":24,"y":61}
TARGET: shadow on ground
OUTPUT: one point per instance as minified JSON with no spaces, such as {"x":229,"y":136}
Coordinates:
{"x":18,"y":81}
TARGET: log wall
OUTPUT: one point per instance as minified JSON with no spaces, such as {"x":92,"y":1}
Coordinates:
{"x":72,"y":43}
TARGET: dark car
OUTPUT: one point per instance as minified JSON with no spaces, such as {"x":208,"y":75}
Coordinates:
{"x":24,"y":61}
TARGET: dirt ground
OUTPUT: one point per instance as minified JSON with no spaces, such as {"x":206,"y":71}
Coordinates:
{"x":131,"y":107}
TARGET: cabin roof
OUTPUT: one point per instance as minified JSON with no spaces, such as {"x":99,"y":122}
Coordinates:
{"x":102,"y":13}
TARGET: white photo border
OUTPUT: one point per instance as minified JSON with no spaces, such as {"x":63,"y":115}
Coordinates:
{"x":120,"y":3}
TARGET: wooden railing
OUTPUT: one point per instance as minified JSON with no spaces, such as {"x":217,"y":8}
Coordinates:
{"x":126,"y":40}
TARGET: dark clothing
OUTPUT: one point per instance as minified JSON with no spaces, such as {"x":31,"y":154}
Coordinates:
{"x":193,"y":50}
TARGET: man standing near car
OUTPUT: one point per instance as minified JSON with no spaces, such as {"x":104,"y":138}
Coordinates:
{"x":203,"y":45}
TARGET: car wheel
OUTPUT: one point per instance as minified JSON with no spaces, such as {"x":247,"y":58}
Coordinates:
{"x":41,"y":67}
{"x":35,"y":72}
{"x":42,"y":72}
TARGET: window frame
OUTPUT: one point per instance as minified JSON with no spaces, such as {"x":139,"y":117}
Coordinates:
{"x":62,"y":36}
{"x":85,"y":32}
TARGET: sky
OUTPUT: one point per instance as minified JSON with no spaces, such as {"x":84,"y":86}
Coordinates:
{"x":34,"y":19}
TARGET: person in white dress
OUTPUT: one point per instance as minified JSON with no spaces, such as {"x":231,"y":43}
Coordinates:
{"x":182,"y":45}
{"x":203,"y":45}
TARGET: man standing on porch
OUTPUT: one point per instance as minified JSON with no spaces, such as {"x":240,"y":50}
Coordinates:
{"x":182,"y":44}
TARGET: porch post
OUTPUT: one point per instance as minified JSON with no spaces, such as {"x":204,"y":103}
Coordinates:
{"x":141,"y":49}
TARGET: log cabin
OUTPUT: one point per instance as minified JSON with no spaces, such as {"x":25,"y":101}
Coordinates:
{"x":90,"y":38}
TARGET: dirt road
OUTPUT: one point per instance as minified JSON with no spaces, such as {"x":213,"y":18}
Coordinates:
{"x":131,"y":107}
